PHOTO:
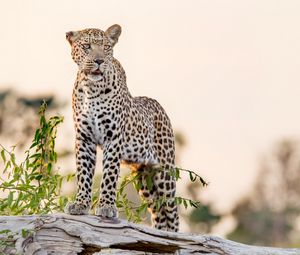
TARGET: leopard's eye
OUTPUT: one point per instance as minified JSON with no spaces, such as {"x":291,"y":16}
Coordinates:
{"x":86,"y":46}
{"x":107,"y":47}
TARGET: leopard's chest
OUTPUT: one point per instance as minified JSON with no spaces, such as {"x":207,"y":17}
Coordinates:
{"x":100,"y":112}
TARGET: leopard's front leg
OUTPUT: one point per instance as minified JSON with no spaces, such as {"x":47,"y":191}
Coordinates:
{"x":85,"y":163}
{"x":111,"y":168}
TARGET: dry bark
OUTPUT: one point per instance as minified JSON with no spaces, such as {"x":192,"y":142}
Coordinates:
{"x":67,"y":234}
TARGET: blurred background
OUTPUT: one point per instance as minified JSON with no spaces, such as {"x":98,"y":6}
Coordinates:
{"x":227,"y":73}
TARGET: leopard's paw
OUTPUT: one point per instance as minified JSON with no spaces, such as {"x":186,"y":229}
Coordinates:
{"x":76,"y":209}
{"x":107,"y":211}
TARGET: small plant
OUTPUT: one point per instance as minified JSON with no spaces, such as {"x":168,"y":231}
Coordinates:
{"x":6,"y":241}
{"x":33,"y":186}
{"x":136,"y":212}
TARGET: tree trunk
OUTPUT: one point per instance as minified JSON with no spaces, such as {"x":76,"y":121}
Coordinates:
{"x":67,"y":234}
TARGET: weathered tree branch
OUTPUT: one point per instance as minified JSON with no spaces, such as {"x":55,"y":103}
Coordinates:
{"x":67,"y":234}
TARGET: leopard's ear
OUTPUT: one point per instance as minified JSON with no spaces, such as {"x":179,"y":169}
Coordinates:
{"x":113,"y":33}
{"x":71,"y":36}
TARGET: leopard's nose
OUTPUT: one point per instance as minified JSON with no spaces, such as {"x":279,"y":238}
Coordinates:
{"x":98,"y":61}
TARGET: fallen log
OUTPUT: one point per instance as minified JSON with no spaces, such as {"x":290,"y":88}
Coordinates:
{"x":67,"y":234}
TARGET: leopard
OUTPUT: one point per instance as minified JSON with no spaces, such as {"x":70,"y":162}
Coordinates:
{"x":130,"y":130}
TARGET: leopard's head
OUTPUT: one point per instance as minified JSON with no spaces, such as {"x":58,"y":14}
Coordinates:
{"x":92,"y":49}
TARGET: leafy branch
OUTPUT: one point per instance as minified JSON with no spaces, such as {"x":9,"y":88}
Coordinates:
{"x":135,"y":212}
{"x":33,"y":186}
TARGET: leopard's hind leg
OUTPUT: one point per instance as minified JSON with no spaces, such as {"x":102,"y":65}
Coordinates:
{"x":163,"y":189}
{"x":166,"y":189}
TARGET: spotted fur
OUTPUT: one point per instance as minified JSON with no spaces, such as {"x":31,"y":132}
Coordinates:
{"x":134,"y":130}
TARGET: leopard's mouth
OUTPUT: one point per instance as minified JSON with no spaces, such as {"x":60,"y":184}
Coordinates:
{"x":96,"y":72}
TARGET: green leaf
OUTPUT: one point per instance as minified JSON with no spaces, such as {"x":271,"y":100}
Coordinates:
{"x":3,"y":155}
{"x":137,"y":185}
{"x":37,"y":136}
{"x":178,"y":200}
{"x":33,"y":145}
{"x":194,"y":204}
{"x":24,"y":233}
{"x":177,"y":174}
{"x":142,"y":208}
{"x":192,"y":176}
{"x":204,"y":183}
{"x":49,"y":168}
{"x":185,"y":204}
{"x":158,"y":204}
{"x":38,"y":177}
{"x":8,"y":165}
{"x":5,"y":231}
{"x":36,"y":156}
{"x":149,"y":182}
{"x":172,"y":172}
{"x":13,"y":159}
{"x":70,"y":176}
{"x":42,"y":120}
{"x":10,"y":198}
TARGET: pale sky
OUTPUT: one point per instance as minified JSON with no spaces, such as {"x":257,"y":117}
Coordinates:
{"x":227,"y":72}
